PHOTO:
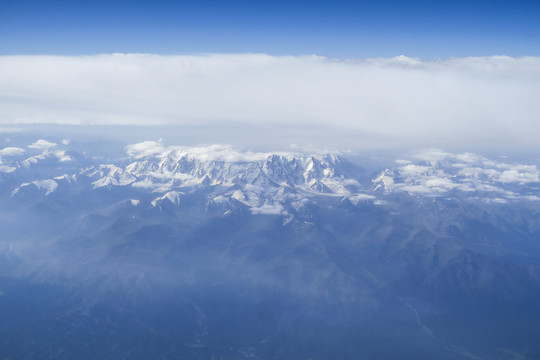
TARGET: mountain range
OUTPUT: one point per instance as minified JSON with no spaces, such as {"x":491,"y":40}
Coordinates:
{"x":218,"y":253}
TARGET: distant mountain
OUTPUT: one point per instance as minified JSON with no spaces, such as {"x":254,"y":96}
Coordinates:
{"x":216,"y":253}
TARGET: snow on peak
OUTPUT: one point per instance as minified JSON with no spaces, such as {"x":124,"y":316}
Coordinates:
{"x":47,"y":185}
{"x":171,"y":196}
{"x":255,"y":179}
{"x":110,"y":175}
{"x":271,"y":183}
{"x":55,"y":155}
{"x":153,"y":164}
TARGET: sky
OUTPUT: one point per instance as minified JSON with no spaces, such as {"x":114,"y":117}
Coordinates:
{"x":337,"y":29}
{"x":458,"y":75}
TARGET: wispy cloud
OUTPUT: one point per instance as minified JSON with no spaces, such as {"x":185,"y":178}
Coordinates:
{"x":485,"y":101}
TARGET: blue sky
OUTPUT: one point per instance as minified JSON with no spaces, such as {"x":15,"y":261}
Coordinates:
{"x":340,"y":29}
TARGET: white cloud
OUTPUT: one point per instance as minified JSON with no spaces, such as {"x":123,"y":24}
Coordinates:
{"x":61,"y":155}
{"x":204,"y":153}
{"x":11,"y":151}
{"x":223,"y":153}
{"x":486,"y":101}
{"x":6,"y":169}
{"x":442,"y":172}
{"x":412,"y":170}
{"x":357,"y":198}
{"x":145,"y":184}
{"x":470,"y":158}
{"x":145,"y":148}
{"x":42,"y":145}
{"x":515,"y":175}
{"x":432,"y":155}
{"x":267,"y":209}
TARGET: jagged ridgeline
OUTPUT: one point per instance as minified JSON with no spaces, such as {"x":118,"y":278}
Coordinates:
{"x":216,"y":253}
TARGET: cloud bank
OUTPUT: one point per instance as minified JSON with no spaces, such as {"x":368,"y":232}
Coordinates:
{"x":489,"y":101}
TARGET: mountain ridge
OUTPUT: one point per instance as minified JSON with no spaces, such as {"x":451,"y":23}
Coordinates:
{"x":221,"y":253}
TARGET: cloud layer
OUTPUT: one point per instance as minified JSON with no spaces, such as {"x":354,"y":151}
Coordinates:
{"x":489,"y":101}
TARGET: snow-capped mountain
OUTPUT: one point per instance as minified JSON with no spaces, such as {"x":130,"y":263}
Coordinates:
{"x":258,"y":180}
{"x":270,"y":180}
{"x":232,"y":254}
